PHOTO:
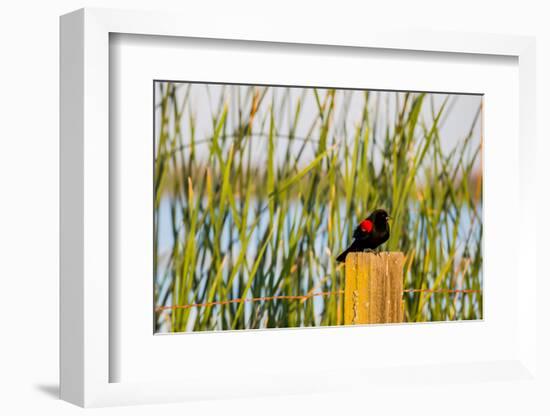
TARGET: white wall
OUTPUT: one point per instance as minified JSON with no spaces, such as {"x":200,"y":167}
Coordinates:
{"x":29,"y":56}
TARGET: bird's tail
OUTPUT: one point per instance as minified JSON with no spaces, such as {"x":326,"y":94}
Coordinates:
{"x":342,"y":256}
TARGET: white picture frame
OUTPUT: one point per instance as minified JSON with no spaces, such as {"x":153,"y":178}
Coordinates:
{"x":86,"y":353}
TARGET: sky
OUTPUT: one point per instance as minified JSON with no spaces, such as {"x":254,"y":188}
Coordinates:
{"x":204,"y":100}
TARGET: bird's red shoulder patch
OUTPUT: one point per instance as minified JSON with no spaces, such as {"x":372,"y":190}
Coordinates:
{"x":366,"y":226}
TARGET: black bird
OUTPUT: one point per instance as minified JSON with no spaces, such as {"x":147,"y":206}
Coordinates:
{"x":369,"y":234}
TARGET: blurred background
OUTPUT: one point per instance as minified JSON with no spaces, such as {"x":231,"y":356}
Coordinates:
{"x":258,"y":188}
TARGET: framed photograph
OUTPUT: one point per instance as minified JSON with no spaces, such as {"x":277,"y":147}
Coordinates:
{"x":290,"y":214}
{"x":262,"y":194}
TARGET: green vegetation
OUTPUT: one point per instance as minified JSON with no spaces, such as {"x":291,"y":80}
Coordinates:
{"x":254,"y":209}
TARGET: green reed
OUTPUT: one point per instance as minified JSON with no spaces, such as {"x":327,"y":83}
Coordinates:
{"x":254,"y":209}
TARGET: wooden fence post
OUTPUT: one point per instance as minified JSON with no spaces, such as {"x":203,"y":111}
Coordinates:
{"x":373,"y":292}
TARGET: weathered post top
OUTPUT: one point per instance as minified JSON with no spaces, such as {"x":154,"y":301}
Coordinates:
{"x":373,"y":288}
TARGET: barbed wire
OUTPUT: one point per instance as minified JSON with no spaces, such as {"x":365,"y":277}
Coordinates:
{"x":302,"y":298}
{"x":468,"y":291}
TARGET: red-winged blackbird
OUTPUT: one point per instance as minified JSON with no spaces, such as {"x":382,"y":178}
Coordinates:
{"x":369,"y":234}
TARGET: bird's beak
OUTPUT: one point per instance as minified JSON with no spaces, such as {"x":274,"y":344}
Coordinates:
{"x":390,"y":218}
